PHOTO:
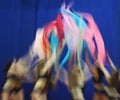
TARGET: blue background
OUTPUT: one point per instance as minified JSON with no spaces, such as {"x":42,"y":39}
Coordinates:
{"x":19,"y":20}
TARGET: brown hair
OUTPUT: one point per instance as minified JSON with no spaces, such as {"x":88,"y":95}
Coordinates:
{"x":114,"y":79}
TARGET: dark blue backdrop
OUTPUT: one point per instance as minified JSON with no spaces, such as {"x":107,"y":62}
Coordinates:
{"x":19,"y":20}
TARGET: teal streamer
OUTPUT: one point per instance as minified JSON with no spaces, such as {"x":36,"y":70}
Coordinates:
{"x":54,"y":41}
{"x":75,"y":16}
{"x":65,"y":59}
{"x":81,"y":25}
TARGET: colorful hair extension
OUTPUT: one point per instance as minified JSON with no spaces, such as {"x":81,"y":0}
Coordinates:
{"x":80,"y":45}
{"x":69,"y":40}
{"x":65,"y":59}
{"x":37,"y":46}
{"x":86,"y":32}
{"x":99,"y":40}
{"x":72,"y":25}
{"x":54,"y":41}
{"x":88,"y":37}
{"x":59,"y":25}
{"x":73,"y":30}
{"x":69,"y":37}
{"x":50,"y":28}
{"x":47,"y":30}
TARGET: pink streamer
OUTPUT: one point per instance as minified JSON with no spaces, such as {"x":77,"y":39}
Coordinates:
{"x":87,"y":35}
{"x":95,"y":31}
{"x":71,"y":32}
